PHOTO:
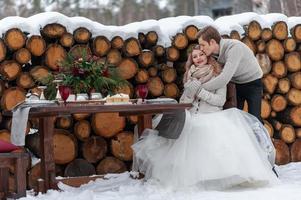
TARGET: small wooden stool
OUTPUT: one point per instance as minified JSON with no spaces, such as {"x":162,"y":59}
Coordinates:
{"x":18,"y":160}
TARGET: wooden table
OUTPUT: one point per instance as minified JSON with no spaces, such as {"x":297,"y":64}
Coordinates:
{"x":47,"y":113}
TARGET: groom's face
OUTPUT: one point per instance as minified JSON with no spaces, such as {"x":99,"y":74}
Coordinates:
{"x":206,"y":47}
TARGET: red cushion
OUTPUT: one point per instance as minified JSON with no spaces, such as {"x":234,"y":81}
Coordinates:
{"x":6,"y":147}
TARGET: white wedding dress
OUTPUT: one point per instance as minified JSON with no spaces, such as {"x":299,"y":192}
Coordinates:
{"x":216,"y":150}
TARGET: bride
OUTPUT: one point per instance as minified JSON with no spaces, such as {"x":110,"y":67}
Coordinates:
{"x":217,"y":149}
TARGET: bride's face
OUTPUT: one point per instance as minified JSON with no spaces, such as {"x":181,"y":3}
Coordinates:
{"x":198,"y":57}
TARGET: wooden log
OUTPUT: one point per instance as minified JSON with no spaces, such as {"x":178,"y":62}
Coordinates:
{"x":172,"y":54}
{"x":171,"y":90}
{"x":67,"y":40}
{"x":25,"y":80}
{"x":80,"y":116}
{"x":298,"y":132}
{"x":169,"y":75}
{"x":279,"y":69}
{"x":53,"y":31}
{"x":275,"y":50}
{"x":64,"y":122}
{"x":289,"y":44}
{"x":79,"y":167}
{"x":146,"y":58}
{"x":294,"y":97}
{"x":296,"y":151}
{"x":269,"y":127}
{"x":284,"y":85}
{"x":180,"y":41}
{"x":36,"y":45}
{"x":82,"y":35}
{"x":14,"y":39}
{"x":11,"y":97}
{"x":121,"y":146}
{"x":82,"y":130}
{"x":296,"y":32}
{"x":158,"y":50}
{"x":2,"y":50}
{"x":155,"y":86}
{"x":54,"y":54}
{"x":235,"y":35}
{"x":292,"y":61}
{"x":127,"y":68}
{"x":151,"y":38}
{"x":114,"y":57}
{"x":295,"y":80}
{"x":282,"y":152}
{"x":190,"y":31}
{"x":117,"y":42}
{"x":250,"y":43}
{"x":65,"y":146}
{"x":260,"y":44}
{"x":152,"y":71}
{"x":142,"y":39}
{"x":10,"y":69}
{"x":287,"y":133}
{"x":131,"y":47}
{"x":101,"y":46}
{"x":265,"y":109}
{"x":22,"y":56}
{"x":5,"y":135}
{"x":110,"y":165}
{"x":276,"y":124}
{"x":2,"y":87}
{"x":133,"y":119}
{"x":254,"y":30}
{"x":291,"y":115}
{"x":102,"y":124}
{"x":80,"y":50}
{"x":39,"y":73}
{"x":94,"y":149}
{"x":278,"y":103}
{"x":266,"y":34}
{"x":280,"y":31}
{"x":142,"y":76}
{"x":126,"y":88}
{"x":264,"y":62}
{"x":270,"y":83}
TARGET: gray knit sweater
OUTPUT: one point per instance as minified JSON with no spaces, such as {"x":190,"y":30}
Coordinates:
{"x":240,"y":65}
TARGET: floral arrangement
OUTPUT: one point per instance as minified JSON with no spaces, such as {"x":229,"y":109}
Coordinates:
{"x":84,"y":74}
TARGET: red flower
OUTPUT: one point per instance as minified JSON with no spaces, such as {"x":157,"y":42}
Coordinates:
{"x":76,"y":71}
{"x":106,"y":73}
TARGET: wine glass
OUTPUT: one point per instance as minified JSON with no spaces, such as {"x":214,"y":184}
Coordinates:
{"x":64,"y":92}
{"x":142,"y":92}
{"x":42,"y":88}
{"x":57,"y":82}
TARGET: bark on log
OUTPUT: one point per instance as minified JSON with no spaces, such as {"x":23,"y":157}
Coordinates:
{"x":269,"y":127}
{"x":278,"y":103}
{"x":295,"y":79}
{"x":146,"y":58}
{"x":169,"y":75}
{"x":117,"y":42}
{"x":235,"y":35}
{"x":22,"y":56}
{"x":291,"y":115}
{"x":264,"y":62}
{"x":296,"y":151}
{"x":293,"y":62}
{"x":280,"y":31}
{"x":25,"y":80}
{"x":254,"y":30}
{"x":158,"y":50}
{"x":121,"y":146}
{"x":289,"y":44}
{"x":294,"y":97}
{"x":67,"y":40}
{"x":152,"y":71}
{"x":64,"y":122}
{"x":171,"y":90}
{"x":265,"y":109}
{"x":250,"y":43}
{"x":287,"y":133}
{"x":172,"y":54}
{"x":270,"y":83}
{"x":266,"y":34}
{"x":279,"y":69}
{"x":110,"y":165}
{"x":131,"y":47}
{"x":142,"y":76}
{"x":79,"y":50}
{"x":261,"y":45}
{"x":102,"y":124}
{"x":2,"y":50}
{"x":114,"y":57}
{"x":151,"y":38}
{"x":284,"y":85}
{"x":94,"y":149}
{"x":81,"y":116}
{"x":39,"y":73}
{"x":180,"y":41}
{"x":296,"y":32}
{"x":53,"y":31}
{"x":190,"y":32}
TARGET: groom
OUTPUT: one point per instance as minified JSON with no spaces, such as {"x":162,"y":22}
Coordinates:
{"x":240,"y":67}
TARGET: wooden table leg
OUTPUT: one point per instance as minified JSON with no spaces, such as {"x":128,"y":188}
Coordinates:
{"x":47,"y":153}
{"x":144,"y":121}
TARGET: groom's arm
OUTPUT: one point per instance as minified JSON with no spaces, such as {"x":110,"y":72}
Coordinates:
{"x":217,"y":98}
{"x":233,"y":59}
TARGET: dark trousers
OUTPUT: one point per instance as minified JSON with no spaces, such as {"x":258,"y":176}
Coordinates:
{"x":252,"y":93}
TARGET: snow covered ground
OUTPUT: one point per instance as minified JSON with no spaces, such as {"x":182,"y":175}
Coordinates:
{"x":121,"y":186}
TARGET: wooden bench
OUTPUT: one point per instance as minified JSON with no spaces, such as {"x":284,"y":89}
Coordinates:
{"x":18,"y":161}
